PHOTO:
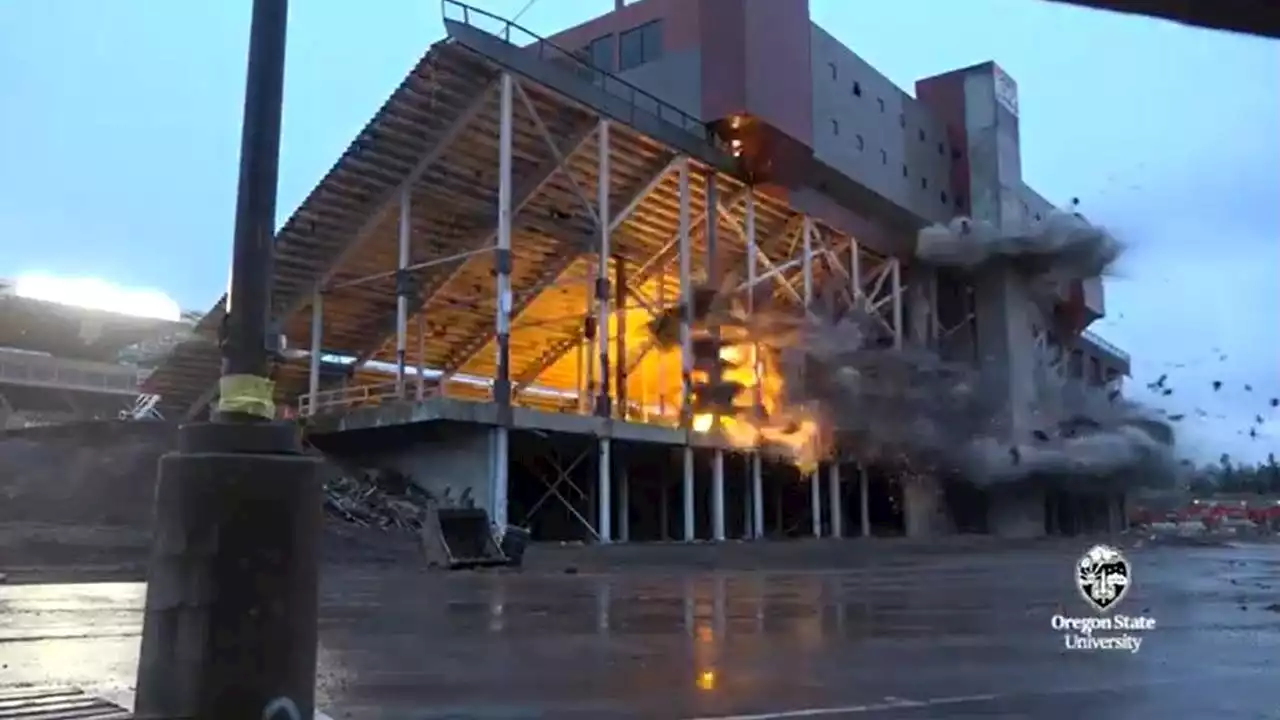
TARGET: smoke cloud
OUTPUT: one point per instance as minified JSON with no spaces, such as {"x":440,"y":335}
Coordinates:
{"x":875,"y":402}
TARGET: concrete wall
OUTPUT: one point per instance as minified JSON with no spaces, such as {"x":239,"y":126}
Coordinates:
{"x":450,"y":461}
{"x":872,"y":131}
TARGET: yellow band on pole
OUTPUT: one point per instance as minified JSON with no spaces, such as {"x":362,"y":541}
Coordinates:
{"x":247,"y":395}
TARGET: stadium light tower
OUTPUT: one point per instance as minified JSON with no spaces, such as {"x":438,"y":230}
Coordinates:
{"x":230,"y":626}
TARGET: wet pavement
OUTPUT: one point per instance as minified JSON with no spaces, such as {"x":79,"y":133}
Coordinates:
{"x":878,"y":634}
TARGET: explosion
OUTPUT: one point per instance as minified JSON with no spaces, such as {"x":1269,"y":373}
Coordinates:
{"x":832,"y":382}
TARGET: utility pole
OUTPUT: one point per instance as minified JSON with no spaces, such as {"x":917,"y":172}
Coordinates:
{"x":230,"y":626}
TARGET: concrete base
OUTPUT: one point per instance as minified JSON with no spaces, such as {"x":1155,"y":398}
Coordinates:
{"x":456,"y":463}
{"x":1016,"y":513}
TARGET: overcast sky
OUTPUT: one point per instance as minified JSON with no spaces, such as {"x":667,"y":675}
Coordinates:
{"x":120,"y":133}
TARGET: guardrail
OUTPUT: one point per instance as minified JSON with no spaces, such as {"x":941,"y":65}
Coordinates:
{"x":348,"y":397}
{"x":35,"y":370}
{"x":544,"y":49}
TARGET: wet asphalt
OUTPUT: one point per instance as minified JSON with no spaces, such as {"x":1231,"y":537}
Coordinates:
{"x":863,"y":631}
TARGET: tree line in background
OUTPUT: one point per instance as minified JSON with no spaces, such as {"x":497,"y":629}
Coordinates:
{"x":1228,"y":476}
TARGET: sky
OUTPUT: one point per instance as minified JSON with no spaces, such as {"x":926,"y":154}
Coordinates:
{"x":120,"y":129}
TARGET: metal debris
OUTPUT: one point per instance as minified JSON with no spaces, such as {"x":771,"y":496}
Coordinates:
{"x":382,"y":499}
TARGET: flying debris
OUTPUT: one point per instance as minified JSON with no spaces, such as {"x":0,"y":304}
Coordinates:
{"x":831,"y":381}
{"x":1217,"y":385}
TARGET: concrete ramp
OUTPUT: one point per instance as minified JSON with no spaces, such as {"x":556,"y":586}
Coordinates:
{"x":459,"y":538}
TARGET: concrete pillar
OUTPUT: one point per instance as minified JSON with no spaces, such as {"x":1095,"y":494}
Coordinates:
{"x":1016,"y":512}
{"x":624,"y":504}
{"x":922,"y":507}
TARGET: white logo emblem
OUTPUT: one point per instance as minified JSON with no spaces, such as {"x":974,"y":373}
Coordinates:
{"x":1103,"y":576}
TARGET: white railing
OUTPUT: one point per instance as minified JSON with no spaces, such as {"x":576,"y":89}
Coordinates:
{"x":349,"y":397}
{"x":144,"y":408}
{"x":38,"y":370}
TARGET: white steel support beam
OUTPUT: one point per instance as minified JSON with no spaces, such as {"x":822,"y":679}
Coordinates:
{"x":502,"y":321}
{"x":713,"y":276}
{"x":833,"y":494}
{"x":686,"y":494}
{"x":624,"y":504}
{"x":403,"y":238}
{"x":864,"y":502}
{"x":815,"y":483}
{"x":757,"y":496}
{"x":604,"y":490}
{"x":755,"y":501}
{"x":317,"y":345}
{"x":815,"y":501}
{"x":895,"y":270}
{"x":685,"y":261}
{"x":422,"y":357}
{"x":601,"y":289}
{"x":717,"y":495}
{"x":502,"y":255}
{"x":603,"y":409}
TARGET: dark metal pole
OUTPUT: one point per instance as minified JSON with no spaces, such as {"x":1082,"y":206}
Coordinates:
{"x":249,"y":290}
{"x":230,"y":624}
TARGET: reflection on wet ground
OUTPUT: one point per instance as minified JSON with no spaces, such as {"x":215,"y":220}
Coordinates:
{"x":933,"y":636}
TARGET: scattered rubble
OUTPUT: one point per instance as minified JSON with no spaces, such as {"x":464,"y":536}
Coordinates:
{"x":382,"y":499}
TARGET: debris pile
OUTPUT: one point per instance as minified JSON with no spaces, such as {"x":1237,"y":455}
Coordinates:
{"x":382,"y":499}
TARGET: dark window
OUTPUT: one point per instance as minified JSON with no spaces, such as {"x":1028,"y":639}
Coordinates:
{"x":902,"y":120}
{"x":835,"y":127}
{"x":884,"y":158}
{"x":861,"y":144}
{"x":640,"y":45}
{"x":943,"y":197}
{"x":600,"y":53}
{"x":1095,"y":370}
{"x":857,"y":89}
{"x":924,"y":183}
{"x":881,"y":101}
{"x":1037,"y":217}
{"x":834,"y":72}
{"x":922,"y":136}
{"x":955,"y":153}
{"x":959,"y":202}
{"x":1075,"y":365}
{"x":904,"y":170}
{"x":941,"y":150}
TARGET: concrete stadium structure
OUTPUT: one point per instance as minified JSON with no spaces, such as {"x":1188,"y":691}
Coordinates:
{"x":441,"y":288}
{"x":61,"y":363}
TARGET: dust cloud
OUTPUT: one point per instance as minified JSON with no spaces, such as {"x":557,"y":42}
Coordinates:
{"x":874,"y":402}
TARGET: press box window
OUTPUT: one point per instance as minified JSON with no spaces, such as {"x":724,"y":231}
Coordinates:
{"x":640,"y":45}
{"x":600,"y":53}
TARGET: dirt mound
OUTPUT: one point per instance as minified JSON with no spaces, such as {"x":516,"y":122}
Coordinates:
{"x":82,"y":493}
{"x":91,"y":473}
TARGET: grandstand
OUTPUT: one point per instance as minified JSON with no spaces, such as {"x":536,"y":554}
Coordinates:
{"x":62,"y":363}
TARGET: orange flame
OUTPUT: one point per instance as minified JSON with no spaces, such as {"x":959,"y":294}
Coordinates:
{"x":792,"y":428}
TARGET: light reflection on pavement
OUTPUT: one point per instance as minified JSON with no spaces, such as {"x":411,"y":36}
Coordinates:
{"x":962,"y":635}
